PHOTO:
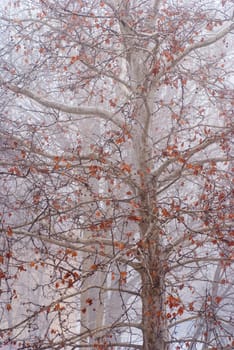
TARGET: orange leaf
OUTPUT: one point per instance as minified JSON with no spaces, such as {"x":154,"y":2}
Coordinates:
{"x":123,"y":276}
{"x":119,"y":245}
{"x":74,"y":59}
{"x":14,"y":170}
{"x":180,"y":310}
{"x":70,"y":282}
{"x":112,"y":103}
{"x":125,"y":167}
{"x":67,"y":275}
{"x":218,"y":299}
{"x":8,"y":307}
{"x":105,"y":224}
{"x":76,"y":275}
{"x":165,"y":212}
{"x":21,"y":268}
{"x":2,"y":274}
{"x":119,"y":140}
{"x":156,"y":68}
{"x":93,"y":169}
{"x":58,"y":307}
{"x":9,"y":254}
{"x":134,"y":204}
{"x":98,"y":213}
{"x":172,"y":301}
{"x":71,"y":252}
{"x":89,"y":301}
{"x":191,"y":307}
{"x":74,"y":253}
{"x":135,"y":218}
{"x":168,"y":55}
{"x":9,"y":231}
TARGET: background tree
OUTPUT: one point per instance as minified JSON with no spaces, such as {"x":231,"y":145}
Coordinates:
{"x":115,"y":175}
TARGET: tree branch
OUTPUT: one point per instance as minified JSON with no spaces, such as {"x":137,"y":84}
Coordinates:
{"x":78,"y":110}
{"x":204,"y":43}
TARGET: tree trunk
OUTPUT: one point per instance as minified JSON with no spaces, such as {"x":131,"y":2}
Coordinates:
{"x":153,"y":302}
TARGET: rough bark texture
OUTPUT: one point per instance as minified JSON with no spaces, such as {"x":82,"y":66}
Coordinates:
{"x":153,"y":302}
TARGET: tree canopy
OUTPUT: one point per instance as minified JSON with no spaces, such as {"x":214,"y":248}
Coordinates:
{"x":115,"y":200}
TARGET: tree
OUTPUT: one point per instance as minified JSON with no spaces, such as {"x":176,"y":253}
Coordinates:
{"x":115,"y":175}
